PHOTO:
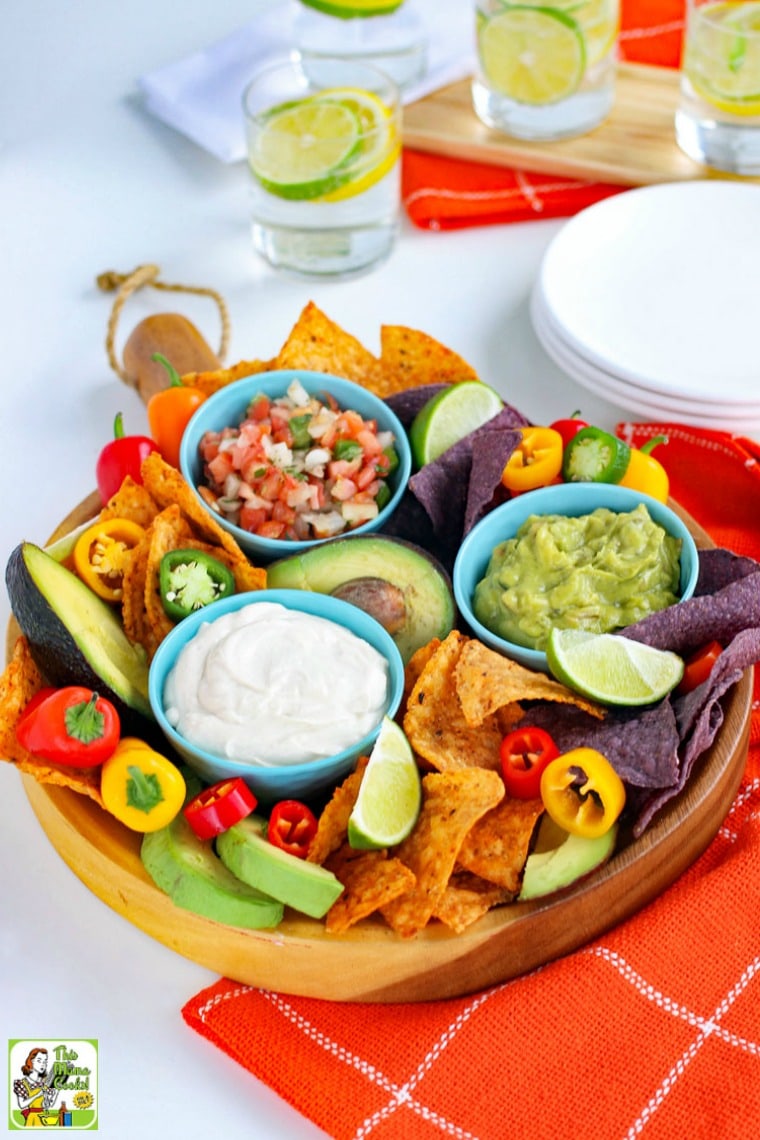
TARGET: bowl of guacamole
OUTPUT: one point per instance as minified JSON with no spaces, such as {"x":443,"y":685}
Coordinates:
{"x":592,"y":556}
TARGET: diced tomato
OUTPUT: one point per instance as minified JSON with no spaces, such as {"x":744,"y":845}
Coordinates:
{"x":342,"y":468}
{"x":259,"y":410}
{"x":271,"y":484}
{"x":370,"y":443}
{"x":343,"y":489}
{"x":220,"y":466}
{"x":271,"y":529}
{"x":251,"y":518}
{"x":366,"y":477}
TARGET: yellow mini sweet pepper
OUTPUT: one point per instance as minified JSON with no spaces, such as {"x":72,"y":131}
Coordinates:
{"x":535,"y":462}
{"x":645,"y":473}
{"x":141,"y":788}
{"x":100,"y":555}
{"x":582,"y":792}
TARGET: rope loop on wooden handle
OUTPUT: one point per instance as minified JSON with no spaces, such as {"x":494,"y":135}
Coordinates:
{"x":125,"y":284}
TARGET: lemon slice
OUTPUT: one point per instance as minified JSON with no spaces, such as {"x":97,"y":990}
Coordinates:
{"x":390,"y":795}
{"x":532,"y":55}
{"x":379,"y":145}
{"x":610,"y":669}
{"x":303,"y":148}
{"x":722,"y":56}
{"x":349,"y":8}
{"x":450,"y":416}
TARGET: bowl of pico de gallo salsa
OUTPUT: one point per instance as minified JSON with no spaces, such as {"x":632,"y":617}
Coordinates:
{"x":291,"y":458}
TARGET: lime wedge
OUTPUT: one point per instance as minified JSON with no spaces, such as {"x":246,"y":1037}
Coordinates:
{"x":390,"y":795}
{"x":350,"y":8}
{"x":303,"y":148}
{"x":722,"y":56}
{"x":532,"y":55}
{"x":379,"y":143}
{"x":449,"y":416}
{"x":610,"y":669}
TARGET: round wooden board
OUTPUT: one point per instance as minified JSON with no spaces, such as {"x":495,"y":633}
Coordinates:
{"x":371,"y":963}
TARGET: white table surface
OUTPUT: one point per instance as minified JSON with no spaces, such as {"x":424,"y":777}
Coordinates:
{"x":89,"y":182}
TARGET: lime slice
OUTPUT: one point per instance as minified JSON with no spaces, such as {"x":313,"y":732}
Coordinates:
{"x":597,"y":20}
{"x":303,"y":148}
{"x":610,"y":669}
{"x":450,"y":416}
{"x":532,"y":55}
{"x":349,"y":8}
{"x":390,"y":795}
{"x":379,"y":145}
{"x":722,"y":56}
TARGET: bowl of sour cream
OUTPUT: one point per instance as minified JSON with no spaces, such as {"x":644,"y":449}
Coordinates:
{"x":592,"y":556}
{"x":284,"y":688}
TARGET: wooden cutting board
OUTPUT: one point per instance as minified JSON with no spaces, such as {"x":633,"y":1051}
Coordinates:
{"x":635,"y":146}
{"x":371,"y":963}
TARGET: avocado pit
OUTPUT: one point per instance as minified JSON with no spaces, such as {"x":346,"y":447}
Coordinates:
{"x":382,"y":600}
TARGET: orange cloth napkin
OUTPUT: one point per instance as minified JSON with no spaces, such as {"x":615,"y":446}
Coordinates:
{"x":651,"y":1031}
{"x":448,"y":193}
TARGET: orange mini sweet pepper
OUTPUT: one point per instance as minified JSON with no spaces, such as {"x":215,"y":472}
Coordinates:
{"x":170,"y":410}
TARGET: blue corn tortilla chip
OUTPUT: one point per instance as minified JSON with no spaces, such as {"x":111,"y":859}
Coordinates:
{"x":719,"y":616}
{"x":453,"y":489}
{"x":409,"y":401}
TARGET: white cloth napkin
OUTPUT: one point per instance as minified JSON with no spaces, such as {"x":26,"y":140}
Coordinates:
{"x":200,"y":96}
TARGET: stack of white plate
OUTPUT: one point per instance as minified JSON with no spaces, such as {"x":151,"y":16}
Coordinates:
{"x":651,"y":299}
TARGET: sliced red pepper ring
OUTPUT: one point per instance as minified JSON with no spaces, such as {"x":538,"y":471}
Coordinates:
{"x":535,"y":462}
{"x":101,"y":555}
{"x":219,"y":807}
{"x":582,"y":792}
{"x":698,"y":666}
{"x":524,"y":754}
{"x":292,"y":826}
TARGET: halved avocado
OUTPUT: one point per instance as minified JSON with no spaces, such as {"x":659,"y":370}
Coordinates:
{"x":398,"y":583}
{"x":74,"y":636}
{"x":560,"y":859}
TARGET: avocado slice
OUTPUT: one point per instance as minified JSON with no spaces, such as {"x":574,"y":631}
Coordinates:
{"x":74,"y":636}
{"x":194,"y":878}
{"x":400,"y":584}
{"x":560,"y":859}
{"x":246,"y":851}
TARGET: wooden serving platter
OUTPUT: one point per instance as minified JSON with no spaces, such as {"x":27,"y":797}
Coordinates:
{"x":635,"y":146}
{"x":371,"y":963}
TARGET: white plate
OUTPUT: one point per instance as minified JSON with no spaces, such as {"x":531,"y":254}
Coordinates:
{"x":657,"y":286}
{"x":634,"y":399}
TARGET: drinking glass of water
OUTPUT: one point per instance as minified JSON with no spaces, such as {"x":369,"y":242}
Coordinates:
{"x":545,"y":71}
{"x":324,"y":156}
{"x":718,"y":117}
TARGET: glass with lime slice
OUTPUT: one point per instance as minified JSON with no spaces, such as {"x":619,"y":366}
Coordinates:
{"x":718,"y":117}
{"x":388,"y":34}
{"x":546,"y":68}
{"x":324,"y":161}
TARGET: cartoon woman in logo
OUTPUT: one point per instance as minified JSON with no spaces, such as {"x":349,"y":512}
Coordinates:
{"x":34,"y":1092}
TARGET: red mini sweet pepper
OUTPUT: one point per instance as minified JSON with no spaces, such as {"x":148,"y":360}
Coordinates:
{"x":72,"y":726}
{"x":292,"y":826}
{"x":121,"y":457}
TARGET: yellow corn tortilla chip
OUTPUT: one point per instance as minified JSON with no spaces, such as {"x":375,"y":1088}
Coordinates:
{"x":487,"y":681}
{"x":497,"y":846}
{"x":169,"y":531}
{"x":213,"y":381}
{"x":133,"y":502}
{"x":332,"y":825}
{"x":20,"y":681}
{"x":412,"y":357}
{"x":452,"y":802}
{"x":133,"y":613}
{"x":434,"y":722}
{"x":371,"y":880}
{"x":466,"y":899}
{"x":315,"y":342}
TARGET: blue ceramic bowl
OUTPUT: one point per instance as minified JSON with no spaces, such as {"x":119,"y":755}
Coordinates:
{"x":227,"y":408}
{"x":291,"y":781}
{"x":571,"y":499}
